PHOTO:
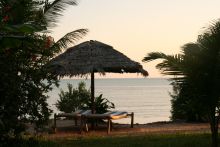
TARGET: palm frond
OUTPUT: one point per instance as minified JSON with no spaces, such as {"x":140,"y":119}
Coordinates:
{"x":24,"y":28}
{"x":170,"y":68}
{"x":70,"y":38}
{"x":153,"y":56}
{"x":171,"y":64}
{"x":53,"y":10}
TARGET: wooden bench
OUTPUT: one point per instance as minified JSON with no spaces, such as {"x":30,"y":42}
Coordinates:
{"x":75,"y":115}
{"x":109,"y":116}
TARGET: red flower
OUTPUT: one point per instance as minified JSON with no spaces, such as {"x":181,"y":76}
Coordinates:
{"x":33,"y":57}
{"x":49,"y":42}
{"x":6,"y":18}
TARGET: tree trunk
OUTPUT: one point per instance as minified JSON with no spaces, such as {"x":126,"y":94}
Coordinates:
{"x":214,"y":129}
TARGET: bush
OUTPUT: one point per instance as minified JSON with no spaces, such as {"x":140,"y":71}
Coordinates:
{"x":79,"y":98}
{"x":102,"y":105}
{"x":73,"y":99}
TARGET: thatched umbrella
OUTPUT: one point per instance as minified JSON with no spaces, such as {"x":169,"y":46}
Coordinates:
{"x":93,"y":57}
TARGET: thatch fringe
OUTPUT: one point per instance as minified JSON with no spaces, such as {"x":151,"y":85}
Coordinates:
{"x":94,"y":56}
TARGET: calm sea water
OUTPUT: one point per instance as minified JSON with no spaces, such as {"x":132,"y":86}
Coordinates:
{"x":148,"y":98}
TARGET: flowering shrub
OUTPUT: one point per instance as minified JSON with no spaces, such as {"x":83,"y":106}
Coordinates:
{"x":25,"y":50}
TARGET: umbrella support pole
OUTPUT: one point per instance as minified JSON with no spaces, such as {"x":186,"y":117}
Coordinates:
{"x":93,"y":97}
{"x":93,"y":92}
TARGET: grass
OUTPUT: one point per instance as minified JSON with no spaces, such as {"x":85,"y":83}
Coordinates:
{"x":168,"y":140}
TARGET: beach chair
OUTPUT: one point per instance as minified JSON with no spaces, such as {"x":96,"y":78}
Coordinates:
{"x":109,"y":116}
{"x":77,"y":115}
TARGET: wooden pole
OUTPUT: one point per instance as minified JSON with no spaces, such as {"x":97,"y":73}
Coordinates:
{"x":93,"y":92}
{"x":81,"y":124}
{"x":55,"y":124}
{"x":132,"y":120}
{"x":109,"y":126}
{"x":92,"y":97}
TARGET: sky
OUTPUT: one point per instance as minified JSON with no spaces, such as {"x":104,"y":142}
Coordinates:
{"x":138,"y":27}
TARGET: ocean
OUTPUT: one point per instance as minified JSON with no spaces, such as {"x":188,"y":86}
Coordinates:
{"x":148,"y":98}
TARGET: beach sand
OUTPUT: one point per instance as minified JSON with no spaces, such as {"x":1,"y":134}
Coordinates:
{"x":66,"y":129}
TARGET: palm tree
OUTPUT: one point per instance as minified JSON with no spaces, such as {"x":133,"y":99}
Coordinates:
{"x":25,"y":49}
{"x":52,"y":11}
{"x":178,"y":65}
{"x":31,"y":16}
{"x":197,"y":73}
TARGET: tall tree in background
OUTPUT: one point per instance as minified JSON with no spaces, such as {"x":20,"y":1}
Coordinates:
{"x":182,"y":66}
{"x":25,"y":47}
{"x":196,"y":76}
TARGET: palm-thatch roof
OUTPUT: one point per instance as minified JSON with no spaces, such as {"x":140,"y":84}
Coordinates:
{"x":93,"y":56}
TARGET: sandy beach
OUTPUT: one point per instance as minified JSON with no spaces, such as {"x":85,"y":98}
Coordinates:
{"x":66,"y":129}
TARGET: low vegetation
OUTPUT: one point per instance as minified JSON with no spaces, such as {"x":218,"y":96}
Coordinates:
{"x":73,"y":99}
{"x":80,"y":98}
{"x":171,"y":140}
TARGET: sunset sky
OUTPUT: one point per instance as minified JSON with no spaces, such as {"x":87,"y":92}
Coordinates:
{"x":137,"y":27}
